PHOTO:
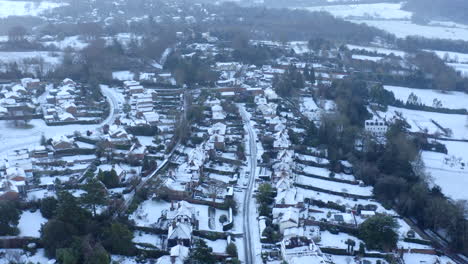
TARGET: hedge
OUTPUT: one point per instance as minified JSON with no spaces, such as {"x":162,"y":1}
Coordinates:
{"x":210,"y":235}
{"x":418,"y":241}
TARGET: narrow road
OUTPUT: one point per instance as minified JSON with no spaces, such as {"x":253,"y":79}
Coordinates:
{"x":114,"y":106}
{"x":249,"y":211}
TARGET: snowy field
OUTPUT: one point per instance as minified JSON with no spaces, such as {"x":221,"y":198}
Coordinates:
{"x":25,"y":8}
{"x":422,"y":121}
{"x":366,"y":58}
{"x":12,"y":137}
{"x":334,"y":186}
{"x":452,"y":180}
{"x":30,"y":224}
{"x":29,"y":61}
{"x":371,"y":11}
{"x":49,"y":57}
{"x":390,"y":17}
{"x":453,"y":56}
{"x":462,"y":68}
{"x":404,"y":28}
{"x":19,"y":256}
{"x":450,"y":100}
{"x":123,"y":76}
{"x":300,"y":47}
{"x":73,"y":42}
{"x":149,"y":212}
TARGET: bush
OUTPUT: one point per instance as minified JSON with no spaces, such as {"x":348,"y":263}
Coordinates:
{"x":379,"y":232}
{"x":9,"y":218}
{"x":118,"y":240}
{"x":48,"y":207}
{"x":231,"y":250}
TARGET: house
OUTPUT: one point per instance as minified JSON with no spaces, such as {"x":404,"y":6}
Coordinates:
{"x":218,"y":128}
{"x":68,"y":82}
{"x":8,"y":190}
{"x":281,"y":140}
{"x":39,"y":152}
{"x":288,"y":198}
{"x":179,"y":253}
{"x":30,"y":83}
{"x":136,"y":89}
{"x":152,"y":118}
{"x":264,"y":174}
{"x":218,"y":141}
{"x":66,"y":117}
{"x":62,"y":143}
{"x":182,"y":212}
{"x":118,"y":133}
{"x":69,"y":107}
{"x":218,"y":113}
{"x":376,"y":127}
{"x":19,"y":89}
{"x":179,"y":234}
{"x":300,"y":249}
{"x":287,"y":218}
{"x":137,"y":151}
{"x":128,"y":84}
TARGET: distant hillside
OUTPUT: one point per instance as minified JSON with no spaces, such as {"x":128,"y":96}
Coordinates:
{"x":454,"y":10}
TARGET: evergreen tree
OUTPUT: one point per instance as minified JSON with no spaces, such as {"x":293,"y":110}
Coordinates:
{"x":48,"y":207}
{"x":9,"y":218}
{"x":95,"y":195}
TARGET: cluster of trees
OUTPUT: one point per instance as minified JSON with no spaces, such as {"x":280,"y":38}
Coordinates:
{"x":74,"y":235}
{"x":287,"y":24}
{"x":394,"y":168}
{"x":190,"y":70}
{"x":415,"y":43}
{"x":441,"y":76}
{"x":289,"y":83}
{"x":9,"y":218}
{"x":379,"y":232}
{"x":265,"y":199}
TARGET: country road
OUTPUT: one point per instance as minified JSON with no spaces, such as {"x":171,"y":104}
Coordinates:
{"x":249,"y":211}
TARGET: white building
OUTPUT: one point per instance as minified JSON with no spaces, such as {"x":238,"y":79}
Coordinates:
{"x":376,"y":127}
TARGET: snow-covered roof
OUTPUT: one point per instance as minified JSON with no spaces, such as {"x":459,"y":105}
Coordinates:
{"x":180,"y":231}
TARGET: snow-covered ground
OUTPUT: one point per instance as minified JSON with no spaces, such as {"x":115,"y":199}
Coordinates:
{"x":422,"y":121}
{"x":74,"y":42}
{"x":462,"y":68}
{"x":30,"y":224}
{"x":50,"y":59}
{"x":25,"y":8}
{"x":450,"y":100}
{"x":447,"y":172}
{"x":123,"y":76}
{"x":12,"y":137}
{"x":368,"y":58}
{"x":404,"y":28}
{"x":453,"y":56}
{"x":149,"y":212}
{"x":19,"y":256}
{"x":390,"y":17}
{"x":300,"y":47}
{"x":371,"y":11}
{"x":334,"y":186}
